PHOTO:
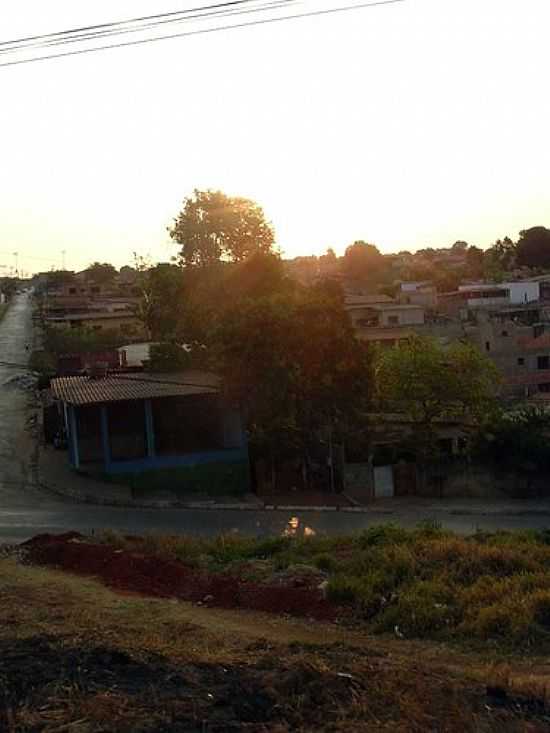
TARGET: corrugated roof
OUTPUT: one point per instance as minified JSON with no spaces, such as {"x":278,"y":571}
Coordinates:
{"x":126,"y":387}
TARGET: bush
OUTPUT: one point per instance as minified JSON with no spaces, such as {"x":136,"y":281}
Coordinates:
{"x":421,"y":610}
{"x":511,"y":620}
{"x":359,"y":592}
{"x":382,"y":535}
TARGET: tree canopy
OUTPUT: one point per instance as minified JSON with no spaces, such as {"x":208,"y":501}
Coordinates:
{"x":214,"y":227}
{"x":533,"y":247}
{"x":363,"y":261}
{"x":294,"y":365}
{"x":161,"y":307}
{"x":101,"y":273}
{"x":429,"y":382}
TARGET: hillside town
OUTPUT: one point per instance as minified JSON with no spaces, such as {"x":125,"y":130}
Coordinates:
{"x":152,"y":378}
{"x":274,"y":367}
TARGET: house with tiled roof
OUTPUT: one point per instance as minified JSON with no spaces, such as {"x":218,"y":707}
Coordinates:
{"x":170,"y":431}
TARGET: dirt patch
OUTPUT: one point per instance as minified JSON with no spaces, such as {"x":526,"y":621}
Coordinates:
{"x":155,"y":576}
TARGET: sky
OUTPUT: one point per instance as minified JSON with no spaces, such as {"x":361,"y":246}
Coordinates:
{"x":407,"y":125}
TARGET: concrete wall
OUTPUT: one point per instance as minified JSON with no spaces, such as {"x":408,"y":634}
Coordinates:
{"x":523,"y":292}
{"x":405,"y":316}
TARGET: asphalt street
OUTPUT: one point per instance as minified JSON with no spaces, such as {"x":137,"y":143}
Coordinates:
{"x":27,"y":510}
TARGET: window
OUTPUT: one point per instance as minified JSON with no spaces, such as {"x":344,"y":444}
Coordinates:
{"x":393,"y":320}
{"x":95,"y":289}
{"x":189,"y":424}
{"x":504,"y":333}
{"x":127,"y":430}
{"x":544,"y":387}
{"x":521,"y":361}
{"x":487,"y":346}
{"x":72,"y":291}
{"x":543,"y":362}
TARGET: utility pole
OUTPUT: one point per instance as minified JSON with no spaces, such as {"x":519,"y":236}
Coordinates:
{"x":16,"y":255}
{"x":63,"y":253}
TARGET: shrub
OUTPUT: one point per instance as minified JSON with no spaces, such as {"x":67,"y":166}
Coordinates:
{"x":422,"y":610}
{"x":362,"y":593}
{"x":511,"y":620}
{"x":383,"y":535}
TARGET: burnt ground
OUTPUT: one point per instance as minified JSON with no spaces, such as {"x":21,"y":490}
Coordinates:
{"x":44,"y":681}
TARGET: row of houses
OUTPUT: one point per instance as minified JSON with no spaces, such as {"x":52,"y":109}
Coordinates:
{"x":509,"y":321}
{"x":77,"y":301}
{"x":139,"y":426}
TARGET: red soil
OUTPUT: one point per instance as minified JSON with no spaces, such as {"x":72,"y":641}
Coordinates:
{"x":155,"y":576}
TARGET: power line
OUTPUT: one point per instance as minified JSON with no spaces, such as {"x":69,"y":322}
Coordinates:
{"x":138,"y":25}
{"x":121,"y":22}
{"x":263,"y":21}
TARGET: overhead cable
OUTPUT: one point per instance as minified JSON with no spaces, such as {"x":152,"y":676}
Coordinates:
{"x":200,"y":31}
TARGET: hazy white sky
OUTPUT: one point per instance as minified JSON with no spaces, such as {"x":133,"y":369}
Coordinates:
{"x":408,"y":125}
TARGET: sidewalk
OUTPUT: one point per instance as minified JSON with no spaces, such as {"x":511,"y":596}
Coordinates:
{"x":55,"y":474}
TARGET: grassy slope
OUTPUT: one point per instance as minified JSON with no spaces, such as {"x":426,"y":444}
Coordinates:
{"x":426,"y":583}
{"x":395,"y":685}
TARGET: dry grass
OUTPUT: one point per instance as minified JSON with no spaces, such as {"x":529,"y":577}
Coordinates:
{"x":429,"y":583}
{"x":394,"y":686}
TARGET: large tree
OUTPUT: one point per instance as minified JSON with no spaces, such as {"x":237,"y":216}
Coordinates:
{"x":363,"y":262}
{"x":161,"y":306}
{"x":101,"y":273}
{"x":533,"y":247}
{"x":499,"y":259}
{"x":213,"y":227}
{"x":293,"y":364}
{"x":429,"y":383}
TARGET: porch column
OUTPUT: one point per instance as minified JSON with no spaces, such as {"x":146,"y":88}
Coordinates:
{"x":105,"y":438}
{"x":149,"y":429}
{"x":73,"y":437}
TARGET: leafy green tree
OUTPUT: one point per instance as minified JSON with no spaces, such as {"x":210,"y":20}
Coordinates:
{"x":101,"y":273}
{"x":213,"y":227}
{"x":499,"y":258}
{"x":517,"y":442}
{"x":80,"y":340}
{"x":293,"y":364}
{"x":533,"y":248}
{"x":429,"y":383}
{"x":161,"y":306}
{"x":428,"y":253}
{"x":475,"y":257}
{"x":460,"y":246}
{"x":261,"y":275}
{"x":363,"y":262}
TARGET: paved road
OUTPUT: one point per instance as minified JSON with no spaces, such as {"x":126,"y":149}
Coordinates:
{"x":26,"y":510}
